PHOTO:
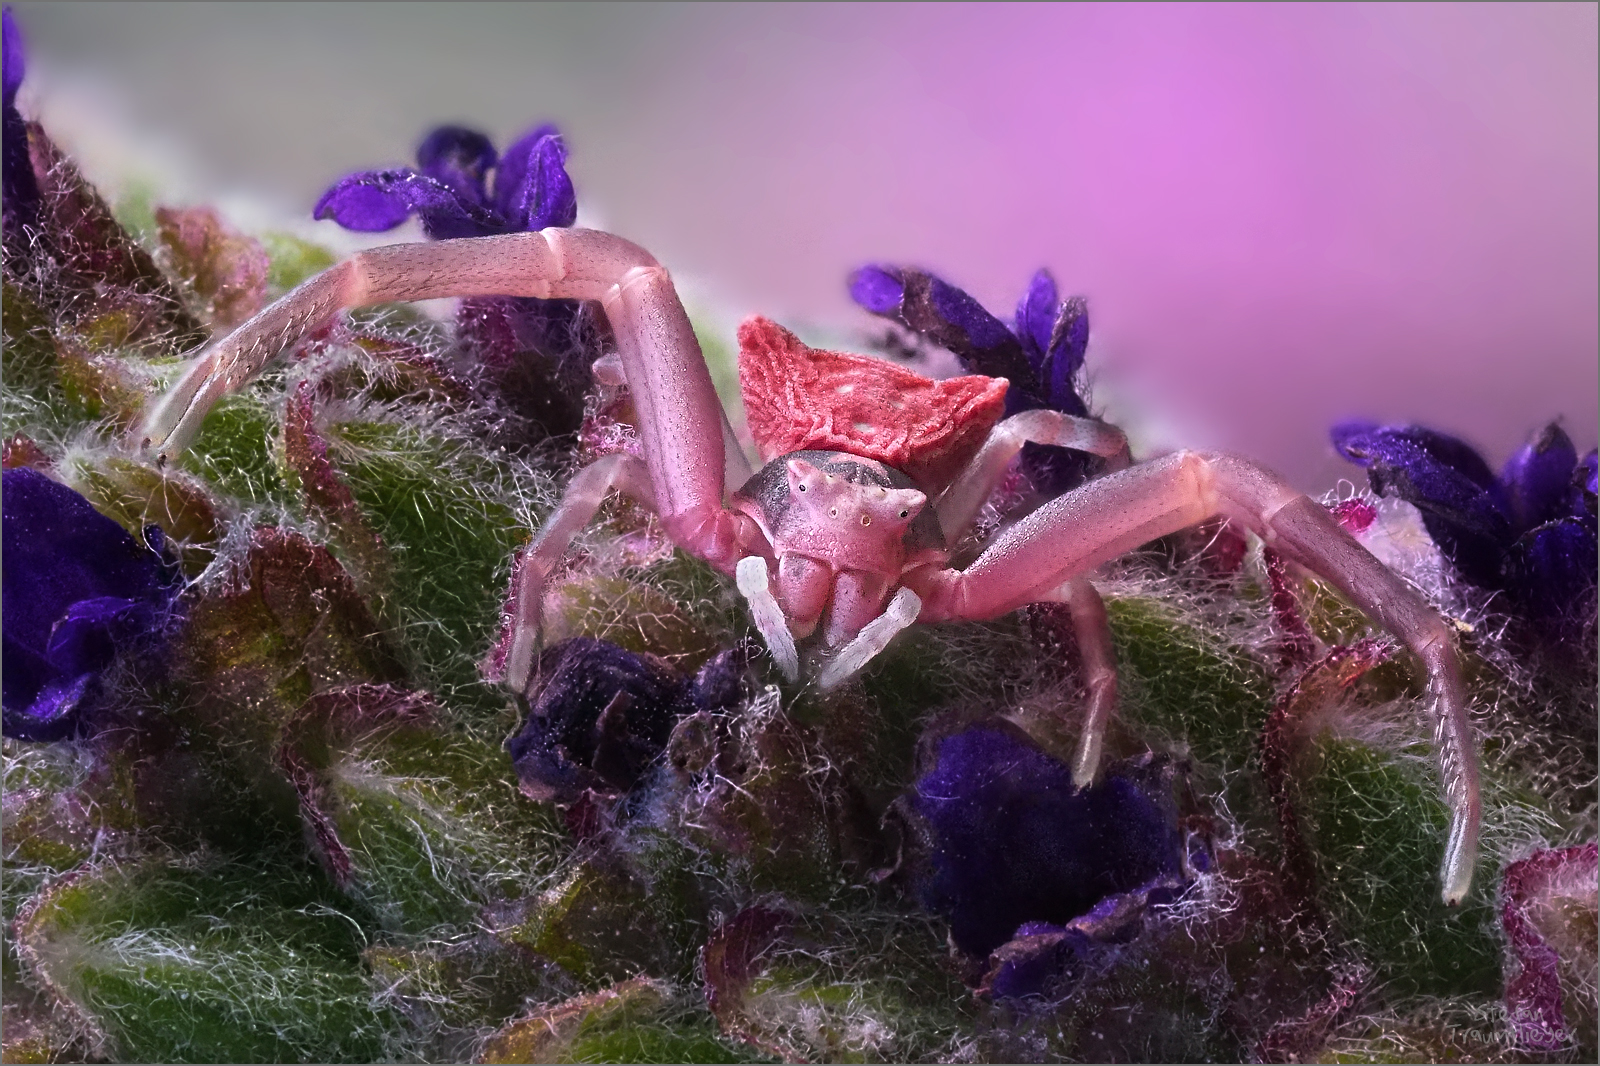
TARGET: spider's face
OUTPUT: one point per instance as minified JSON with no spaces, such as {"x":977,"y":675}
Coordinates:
{"x":849,"y":510}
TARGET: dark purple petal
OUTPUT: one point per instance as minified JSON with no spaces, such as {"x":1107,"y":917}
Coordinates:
{"x":1015,"y":842}
{"x":1584,"y":484}
{"x":78,"y":589}
{"x":878,"y":289}
{"x":1538,"y":478}
{"x":982,"y":330}
{"x":1443,"y":448}
{"x":14,"y":55}
{"x":603,"y":714}
{"x":86,"y":638}
{"x":378,"y":200}
{"x":1036,"y":961}
{"x":720,"y":683}
{"x":512,"y":175}
{"x":1036,"y":318}
{"x":531,"y":188}
{"x":460,"y":158}
{"x":1460,"y":510}
{"x":1069,"y":342}
{"x":19,"y":186}
{"x":1041,"y":957}
{"x":53,"y":713}
{"x":953,"y":320}
{"x":1551,"y":570}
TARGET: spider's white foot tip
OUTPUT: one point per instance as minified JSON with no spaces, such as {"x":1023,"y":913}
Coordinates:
{"x":1086,"y":764}
{"x":1460,"y":857}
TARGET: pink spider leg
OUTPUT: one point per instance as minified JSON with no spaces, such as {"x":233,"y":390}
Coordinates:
{"x":1073,"y":534}
{"x":1092,"y":629}
{"x":585,"y":493}
{"x":959,"y":504}
{"x":681,"y":427}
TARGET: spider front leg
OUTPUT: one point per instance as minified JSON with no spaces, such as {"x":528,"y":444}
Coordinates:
{"x":1092,"y":630}
{"x":682,"y":427}
{"x":1073,"y":534}
{"x":959,"y":504}
{"x":584,"y":495}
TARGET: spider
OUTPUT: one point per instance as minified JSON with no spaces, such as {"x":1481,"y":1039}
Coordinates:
{"x":871,"y":474}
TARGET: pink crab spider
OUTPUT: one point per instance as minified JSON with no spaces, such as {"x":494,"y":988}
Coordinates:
{"x":871,"y":473}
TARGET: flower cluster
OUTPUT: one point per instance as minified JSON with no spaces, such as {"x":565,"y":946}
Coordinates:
{"x":1041,"y":355}
{"x":1530,"y":531}
{"x":535,"y":353}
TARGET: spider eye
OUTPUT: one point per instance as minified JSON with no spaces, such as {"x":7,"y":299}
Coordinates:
{"x":833,"y":512}
{"x":802,"y":486}
{"x":905,"y":514}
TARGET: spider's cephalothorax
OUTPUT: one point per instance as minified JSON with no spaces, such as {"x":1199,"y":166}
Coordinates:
{"x":843,"y":530}
{"x":870,"y":470}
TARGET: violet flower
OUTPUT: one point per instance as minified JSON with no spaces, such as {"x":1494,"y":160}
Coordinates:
{"x":19,"y":188}
{"x":451,"y":192}
{"x":1041,"y":356}
{"x":1531,"y":531}
{"x":79,"y":592}
{"x":1018,"y":851}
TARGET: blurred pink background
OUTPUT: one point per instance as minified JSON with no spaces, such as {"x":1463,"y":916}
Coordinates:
{"x":1282,"y":216}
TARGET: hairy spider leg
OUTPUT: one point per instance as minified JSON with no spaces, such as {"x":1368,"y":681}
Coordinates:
{"x":585,"y":493}
{"x":959,"y":504}
{"x":1074,"y":533}
{"x":689,"y":450}
{"x":1092,"y":628}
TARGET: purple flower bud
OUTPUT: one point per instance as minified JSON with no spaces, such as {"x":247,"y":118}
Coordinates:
{"x":19,"y":186}
{"x":1537,"y":479}
{"x":1353,"y":439}
{"x":78,"y":591}
{"x":531,"y":188}
{"x":982,"y":330}
{"x":460,"y":158}
{"x":1014,"y":841}
{"x":879,"y":289}
{"x":1036,"y":317}
{"x":15,"y":58}
{"x":1069,"y":343}
{"x":1444,"y":479}
{"x":1551,"y":570}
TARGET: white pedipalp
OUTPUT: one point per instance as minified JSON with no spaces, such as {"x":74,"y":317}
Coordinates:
{"x":751,"y":575}
{"x":901,"y":611}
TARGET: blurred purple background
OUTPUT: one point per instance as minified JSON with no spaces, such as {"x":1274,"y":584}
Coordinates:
{"x":1282,"y":215}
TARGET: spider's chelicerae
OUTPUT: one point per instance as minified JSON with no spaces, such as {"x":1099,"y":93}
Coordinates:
{"x":874,"y":472}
